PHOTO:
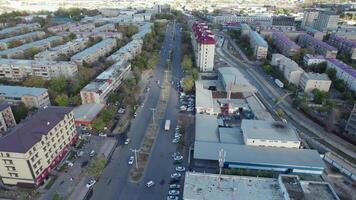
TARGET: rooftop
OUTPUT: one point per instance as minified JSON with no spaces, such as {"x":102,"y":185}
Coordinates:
{"x":346,"y":68}
{"x":231,"y":135}
{"x":206,"y":128}
{"x":283,"y":38}
{"x":258,"y":39}
{"x":202,"y":33}
{"x":30,"y":131}
{"x":4,"y":105}
{"x":317,"y":76}
{"x":350,"y":43}
{"x":234,"y":79}
{"x":315,"y":41}
{"x":204,"y":97}
{"x":18,"y":91}
{"x":87,"y":112}
{"x":268,"y":130}
{"x":93,"y":49}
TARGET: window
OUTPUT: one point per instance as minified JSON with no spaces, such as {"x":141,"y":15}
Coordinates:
{"x":7,"y":155}
{"x":8,"y":162}
{"x":9,"y":168}
{"x":13,"y":175}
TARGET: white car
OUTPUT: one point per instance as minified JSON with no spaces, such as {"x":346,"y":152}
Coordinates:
{"x":92,"y":153}
{"x":127,"y":141}
{"x":150,"y":184}
{"x":173,"y":192}
{"x":175,"y":140}
{"x":102,"y":134}
{"x":176,"y":175}
{"x":170,"y":197}
{"x":131,"y":160}
{"x":178,"y":158}
{"x":90,"y":183}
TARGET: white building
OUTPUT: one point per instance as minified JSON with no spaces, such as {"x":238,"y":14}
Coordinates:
{"x":127,"y":52}
{"x":204,"y":46}
{"x":71,"y":27}
{"x":143,"y":30}
{"x":259,"y":45}
{"x":28,"y":37}
{"x":343,"y":72}
{"x":101,"y":35}
{"x":17,"y":70}
{"x":203,"y":99}
{"x":310,"y":81}
{"x":29,"y":96}
{"x":66,"y":49}
{"x":313,"y":59}
{"x":94,"y":52}
{"x":268,"y":134}
{"x":19,"y":29}
{"x":105,"y":28}
{"x":233,"y":81}
{"x":291,"y":71}
{"x":221,"y":19}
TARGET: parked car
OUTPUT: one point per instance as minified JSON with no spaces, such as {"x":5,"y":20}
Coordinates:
{"x":90,"y":183}
{"x":176,"y":175}
{"x":135,"y":114}
{"x":127,"y":141}
{"x":80,"y":154}
{"x":92,"y":153}
{"x":103,"y":134}
{"x":175,"y":140}
{"x":174,"y":186}
{"x":178,"y":158}
{"x":180,"y":169}
{"x":175,"y":154}
{"x":84,"y":163}
{"x":150,"y":184}
{"x":121,"y":111}
{"x":170,"y":197}
{"x":131,"y":160}
{"x":173,"y":192}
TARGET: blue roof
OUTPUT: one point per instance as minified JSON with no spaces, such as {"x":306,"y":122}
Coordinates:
{"x":18,"y":91}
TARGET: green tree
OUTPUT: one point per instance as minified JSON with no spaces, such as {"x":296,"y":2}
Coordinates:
{"x":99,"y":124}
{"x":107,"y":114}
{"x":62,"y":100}
{"x":34,"y":81}
{"x":188,"y":83}
{"x":72,"y":36}
{"x":331,"y":73}
{"x":57,"y":196}
{"x":96,"y":166}
{"x":20,"y":112}
{"x":319,"y":96}
{"x":59,"y":85}
{"x":280,"y":112}
{"x":195,"y":74}
{"x":187,"y":63}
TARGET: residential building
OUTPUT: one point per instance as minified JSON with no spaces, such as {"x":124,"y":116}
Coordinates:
{"x":30,"y":151}
{"x":269,"y":134}
{"x":204,"y":46}
{"x":310,"y":81}
{"x":245,"y":29}
{"x":28,"y":37}
{"x":315,"y":33}
{"x":343,"y":45}
{"x":19,"y":52}
{"x":72,"y":27}
{"x":326,"y":21}
{"x":317,"y":46}
{"x":94,"y":52}
{"x":284,"y":45}
{"x":286,"y":187}
{"x":31,"y":97}
{"x":309,"y":18}
{"x":259,"y":45}
{"x":19,"y":29}
{"x":127,"y":52}
{"x":105,"y":28}
{"x":221,"y":19}
{"x":350,"y":128}
{"x":310,"y":59}
{"x":105,"y":83}
{"x":17,"y":70}
{"x":234,"y":81}
{"x":143,"y":30}
{"x":67,"y":49}
{"x":85,"y":114}
{"x":95,"y":35}
{"x":291,"y":71}
{"x":255,"y":20}
{"x":343,"y":72}
{"x":7,"y":119}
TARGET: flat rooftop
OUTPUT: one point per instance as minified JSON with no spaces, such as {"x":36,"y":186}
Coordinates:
{"x":200,"y":186}
{"x":87,"y":112}
{"x":18,"y":91}
{"x":206,"y":128}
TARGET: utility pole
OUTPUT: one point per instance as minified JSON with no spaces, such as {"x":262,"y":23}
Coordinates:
{"x":135,"y":152}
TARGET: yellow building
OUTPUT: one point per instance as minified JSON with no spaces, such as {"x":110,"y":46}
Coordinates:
{"x":7,"y":119}
{"x":35,"y":146}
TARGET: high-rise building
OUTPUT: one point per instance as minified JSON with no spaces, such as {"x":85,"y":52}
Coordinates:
{"x":326,"y":21}
{"x":309,"y":18}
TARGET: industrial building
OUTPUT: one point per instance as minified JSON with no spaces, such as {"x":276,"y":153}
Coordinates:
{"x":233,"y":81}
{"x":31,"y":97}
{"x":85,"y":114}
{"x":350,"y":128}
{"x":34,"y":147}
{"x":310,"y":81}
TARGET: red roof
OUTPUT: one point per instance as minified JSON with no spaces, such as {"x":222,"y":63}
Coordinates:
{"x":202,"y":33}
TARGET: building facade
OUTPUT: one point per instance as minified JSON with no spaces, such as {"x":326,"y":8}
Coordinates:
{"x":310,"y":81}
{"x":7,"y":119}
{"x":350,"y":128}
{"x":343,"y":45}
{"x":19,"y":29}
{"x":291,"y":71}
{"x":28,"y":37}
{"x":343,"y":72}
{"x":326,"y":21}
{"x":203,"y":42}
{"x":259,"y":45}
{"x":317,"y":46}
{"x":309,"y":18}
{"x":30,"y":151}
{"x":284,"y":45}
{"x":29,"y":96}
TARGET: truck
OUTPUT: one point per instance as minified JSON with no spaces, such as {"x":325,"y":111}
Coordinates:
{"x":167,"y":126}
{"x":279,"y":83}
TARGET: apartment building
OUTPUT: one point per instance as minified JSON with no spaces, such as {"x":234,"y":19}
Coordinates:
{"x":268,"y":134}
{"x":143,"y":30}
{"x":350,"y":128}
{"x":7,"y":119}
{"x":309,"y":18}
{"x":94,"y":52}
{"x":203,"y":41}
{"x":315,"y":33}
{"x":291,"y":71}
{"x":327,"y":21}
{"x":105,"y":28}
{"x":310,"y":59}
{"x":19,"y":29}
{"x":105,"y":83}
{"x":101,"y":35}
{"x":245,"y":29}
{"x":31,"y":97}
{"x":17,"y":70}
{"x":66,"y":49}
{"x":284,"y":45}
{"x":310,"y":81}
{"x":28,"y":37}
{"x":259,"y":45}
{"x":343,"y":45}
{"x":343,"y":72}
{"x":19,"y":52}
{"x":224,"y":18}
{"x":72,"y":27}
{"x":317,"y":46}
{"x":34,"y":147}
{"x":127,"y":52}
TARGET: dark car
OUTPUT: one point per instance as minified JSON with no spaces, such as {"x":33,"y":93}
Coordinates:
{"x":84,"y":163}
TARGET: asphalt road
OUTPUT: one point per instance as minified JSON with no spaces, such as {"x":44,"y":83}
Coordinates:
{"x":114,"y":183}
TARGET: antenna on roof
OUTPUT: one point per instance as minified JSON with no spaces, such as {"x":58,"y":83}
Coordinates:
{"x":222,"y":155}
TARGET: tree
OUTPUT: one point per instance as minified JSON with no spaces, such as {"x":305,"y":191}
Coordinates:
{"x":99,"y":124}
{"x":195,"y":74}
{"x":34,"y":81}
{"x":20,"y":112}
{"x":280,"y":112}
{"x":96,"y":166}
{"x":187,"y":63}
{"x":57,"y":196}
{"x":319,"y":96}
{"x":331,"y":73}
{"x":107,"y":115}
{"x":298,"y":56}
{"x":15,"y":43}
{"x":59,"y":85}
{"x":72,"y":36}
{"x":188,"y":83}
{"x":62,"y":100}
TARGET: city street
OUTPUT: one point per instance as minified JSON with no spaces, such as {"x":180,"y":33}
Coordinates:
{"x":114,"y":182}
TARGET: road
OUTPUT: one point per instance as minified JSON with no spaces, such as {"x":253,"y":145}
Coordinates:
{"x":269,"y":93}
{"x":114,"y":182}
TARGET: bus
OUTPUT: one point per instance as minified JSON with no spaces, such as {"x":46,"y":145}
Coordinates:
{"x":167,"y":126}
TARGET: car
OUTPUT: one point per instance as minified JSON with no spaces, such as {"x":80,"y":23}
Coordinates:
{"x":173,"y":192}
{"x":121,"y":111}
{"x":178,"y":158}
{"x":175,"y":140}
{"x":131,"y":160}
{"x":80,"y":154}
{"x":90,"y":183}
{"x":127,"y":141}
{"x":87,"y":134}
{"x":175,"y":154}
{"x":190,"y":109}
{"x":148,"y":89}
{"x":180,"y":169}
{"x":150,"y":184}
{"x":170,"y":197}
{"x":183,"y":108}
{"x":102,"y":134}
{"x":84,"y":163}
{"x":176,"y":175}
{"x":69,"y":163}
{"x":92,"y":153}
{"x":174,"y":186}
{"x":135,"y":114}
